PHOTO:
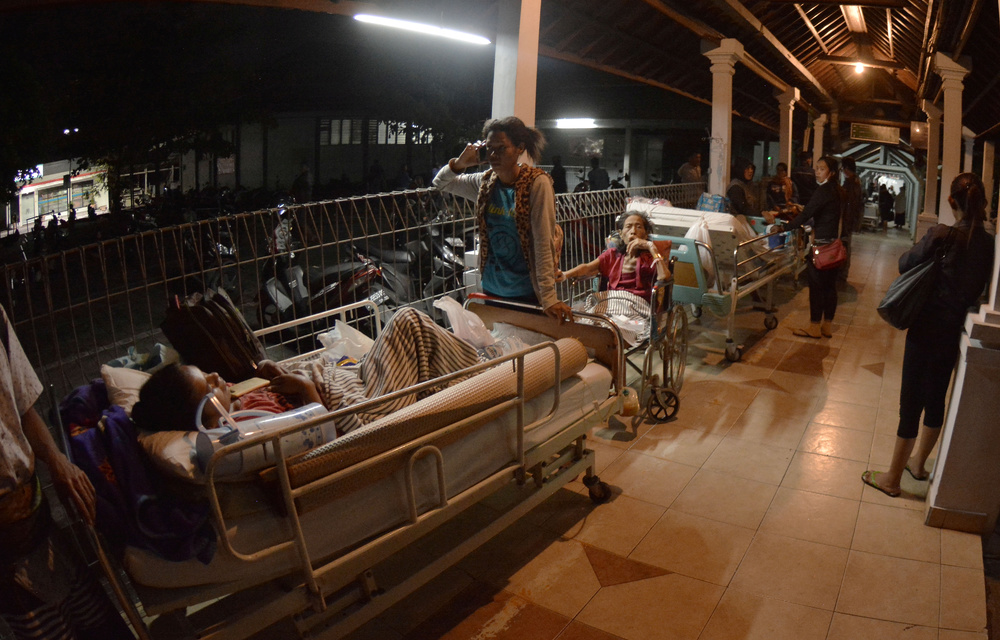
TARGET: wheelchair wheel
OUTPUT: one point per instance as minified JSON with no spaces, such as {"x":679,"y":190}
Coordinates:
{"x":673,"y":349}
{"x":663,"y":404}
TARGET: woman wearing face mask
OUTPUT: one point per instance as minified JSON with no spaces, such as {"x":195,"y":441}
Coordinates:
{"x":823,"y":213}
{"x":519,"y":241}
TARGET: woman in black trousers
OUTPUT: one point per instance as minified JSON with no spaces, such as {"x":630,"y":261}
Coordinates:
{"x":932,"y":342}
{"x":823,"y":211}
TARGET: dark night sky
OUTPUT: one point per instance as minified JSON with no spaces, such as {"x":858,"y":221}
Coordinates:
{"x":163,"y":67}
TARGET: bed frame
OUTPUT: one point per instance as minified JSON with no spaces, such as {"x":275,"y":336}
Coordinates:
{"x":330,"y":597}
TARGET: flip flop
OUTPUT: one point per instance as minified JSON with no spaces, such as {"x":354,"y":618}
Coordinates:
{"x":922,"y":478}
{"x":868,"y":477}
{"x":803,"y":333}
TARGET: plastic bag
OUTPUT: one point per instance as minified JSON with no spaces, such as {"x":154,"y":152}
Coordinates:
{"x":465,"y":324}
{"x":699,"y":232}
{"x":345,"y":341}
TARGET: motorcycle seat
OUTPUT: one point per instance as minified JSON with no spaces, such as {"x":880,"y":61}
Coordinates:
{"x":399,"y":256}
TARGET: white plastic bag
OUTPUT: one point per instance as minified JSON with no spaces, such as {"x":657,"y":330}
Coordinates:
{"x":345,"y":340}
{"x":699,"y":232}
{"x":464,"y":324}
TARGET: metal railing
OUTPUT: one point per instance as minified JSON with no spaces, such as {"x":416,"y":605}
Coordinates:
{"x":81,"y":307}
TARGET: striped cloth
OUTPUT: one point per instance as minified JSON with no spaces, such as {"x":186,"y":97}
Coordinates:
{"x":625,"y":309}
{"x":411,"y":349}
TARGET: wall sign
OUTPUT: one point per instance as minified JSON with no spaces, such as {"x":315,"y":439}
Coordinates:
{"x":874,"y":133}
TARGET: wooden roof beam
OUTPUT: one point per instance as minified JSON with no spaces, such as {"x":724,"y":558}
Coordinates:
{"x":737,"y":10}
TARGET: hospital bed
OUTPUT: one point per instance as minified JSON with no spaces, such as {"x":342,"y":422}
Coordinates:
{"x":736,"y":263}
{"x":321,"y":538}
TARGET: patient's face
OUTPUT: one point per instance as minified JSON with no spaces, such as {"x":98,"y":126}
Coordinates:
{"x":201,"y":385}
{"x":634,"y":228}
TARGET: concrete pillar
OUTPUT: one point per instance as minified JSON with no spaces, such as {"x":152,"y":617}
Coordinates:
{"x":515,"y":70}
{"x":928,"y":217}
{"x":952,"y":75}
{"x":724,"y":59}
{"x":818,"y":125}
{"x":989,"y":149}
{"x":968,"y":147}
{"x":786,"y":109}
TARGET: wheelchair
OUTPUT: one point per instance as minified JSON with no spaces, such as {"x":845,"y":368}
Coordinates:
{"x":664,"y":356}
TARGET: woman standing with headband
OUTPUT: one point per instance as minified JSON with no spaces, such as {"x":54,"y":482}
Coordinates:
{"x":932,"y":342}
{"x":516,"y":214}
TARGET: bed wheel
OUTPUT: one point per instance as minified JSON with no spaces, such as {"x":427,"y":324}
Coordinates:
{"x":663,"y":404}
{"x":770,"y":322}
{"x":733,"y":353}
{"x":599,"y":491}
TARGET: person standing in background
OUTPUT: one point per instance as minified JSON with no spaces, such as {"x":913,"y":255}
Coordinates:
{"x":690,"y":171}
{"x":558,"y":175}
{"x":899,"y":207}
{"x":598,"y":177}
{"x":823,"y":212}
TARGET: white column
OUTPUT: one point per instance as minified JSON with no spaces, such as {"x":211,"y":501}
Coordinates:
{"x":724,"y":59}
{"x":989,"y":149}
{"x":786,"y":109}
{"x":818,"y":125}
{"x":928,"y":217}
{"x":515,"y":70}
{"x":969,"y":145}
{"x":951,"y":74}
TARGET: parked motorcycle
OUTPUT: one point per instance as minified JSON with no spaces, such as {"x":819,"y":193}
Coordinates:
{"x":292,"y":288}
{"x":424,"y":268}
{"x":210,"y":256}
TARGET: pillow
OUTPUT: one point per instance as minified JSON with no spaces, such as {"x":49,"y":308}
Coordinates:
{"x":172,"y":452}
{"x":123,"y":385}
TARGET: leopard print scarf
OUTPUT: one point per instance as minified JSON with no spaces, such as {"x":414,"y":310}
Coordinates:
{"x":522,"y":210}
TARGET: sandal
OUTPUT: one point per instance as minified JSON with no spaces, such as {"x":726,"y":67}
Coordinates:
{"x":803,"y":333}
{"x":868,"y":477}
{"x":922,"y":478}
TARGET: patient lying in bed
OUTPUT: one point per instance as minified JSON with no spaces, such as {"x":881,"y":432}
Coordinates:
{"x":411,"y":349}
{"x":630,"y":267}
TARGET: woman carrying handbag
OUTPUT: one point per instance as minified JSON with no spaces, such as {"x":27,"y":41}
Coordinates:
{"x":823,"y":210}
{"x":932,"y":341}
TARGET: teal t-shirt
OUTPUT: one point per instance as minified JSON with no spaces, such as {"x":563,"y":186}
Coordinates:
{"x":506,"y":271}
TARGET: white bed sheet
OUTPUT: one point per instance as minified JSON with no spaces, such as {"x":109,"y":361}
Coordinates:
{"x":381,"y":506}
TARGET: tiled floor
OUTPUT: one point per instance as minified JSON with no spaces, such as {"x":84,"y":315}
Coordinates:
{"x":743,"y":518}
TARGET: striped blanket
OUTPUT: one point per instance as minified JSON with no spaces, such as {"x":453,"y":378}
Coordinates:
{"x":627,"y":310}
{"x":411,"y":349}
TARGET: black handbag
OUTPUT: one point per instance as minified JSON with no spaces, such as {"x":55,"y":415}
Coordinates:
{"x":908,"y":293}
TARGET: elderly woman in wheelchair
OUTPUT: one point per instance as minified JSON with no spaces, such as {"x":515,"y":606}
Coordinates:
{"x":636,"y":271}
{"x":630,"y":267}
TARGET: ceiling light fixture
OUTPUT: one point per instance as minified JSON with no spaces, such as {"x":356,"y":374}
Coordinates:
{"x":859,"y":68}
{"x":422,"y":28}
{"x":576,"y":123}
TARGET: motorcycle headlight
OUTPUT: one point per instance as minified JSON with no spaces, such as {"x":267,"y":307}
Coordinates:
{"x":225,"y":250}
